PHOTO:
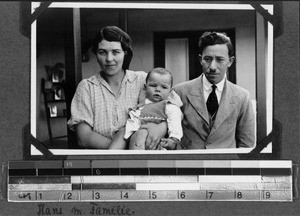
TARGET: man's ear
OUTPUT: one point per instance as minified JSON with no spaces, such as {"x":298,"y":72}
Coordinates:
{"x":200,"y":58}
{"x":231,"y":60}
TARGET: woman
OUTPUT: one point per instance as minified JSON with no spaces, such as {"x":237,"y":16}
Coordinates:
{"x":99,"y":108}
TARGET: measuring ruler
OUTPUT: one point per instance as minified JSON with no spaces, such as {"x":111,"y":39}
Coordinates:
{"x":149,"y":180}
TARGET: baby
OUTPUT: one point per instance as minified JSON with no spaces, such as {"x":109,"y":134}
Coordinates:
{"x":159,"y":105}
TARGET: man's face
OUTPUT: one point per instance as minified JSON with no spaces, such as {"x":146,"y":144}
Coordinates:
{"x":158,"y":87}
{"x":110,"y":57}
{"x":215,"y":61}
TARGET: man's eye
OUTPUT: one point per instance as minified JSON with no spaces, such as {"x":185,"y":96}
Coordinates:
{"x":207,"y":59}
{"x":220,"y":60}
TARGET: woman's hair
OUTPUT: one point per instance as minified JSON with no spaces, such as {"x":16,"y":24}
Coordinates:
{"x":114,"y":33}
{"x":213,"y":38}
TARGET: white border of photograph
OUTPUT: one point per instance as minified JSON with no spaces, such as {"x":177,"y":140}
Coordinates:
{"x":182,"y":6}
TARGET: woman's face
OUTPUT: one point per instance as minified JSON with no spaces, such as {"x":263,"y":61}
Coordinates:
{"x":110,"y":57}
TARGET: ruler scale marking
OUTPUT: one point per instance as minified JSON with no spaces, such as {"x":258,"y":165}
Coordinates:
{"x":149,"y":180}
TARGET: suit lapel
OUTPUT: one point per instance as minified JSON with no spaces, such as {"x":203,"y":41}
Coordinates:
{"x":196,"y":99}
{"x":227,"y":104}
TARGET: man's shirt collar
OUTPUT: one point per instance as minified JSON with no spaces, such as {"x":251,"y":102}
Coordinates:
{"x":207,"y":85}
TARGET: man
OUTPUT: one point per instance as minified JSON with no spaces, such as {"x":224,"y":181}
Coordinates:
{"x":217,"y":113}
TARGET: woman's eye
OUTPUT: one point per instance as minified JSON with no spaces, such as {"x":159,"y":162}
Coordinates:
{"x":100,"y":52}
{"x":116,"y":52}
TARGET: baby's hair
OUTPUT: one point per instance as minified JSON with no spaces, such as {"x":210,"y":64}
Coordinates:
{"x":161,"y":71}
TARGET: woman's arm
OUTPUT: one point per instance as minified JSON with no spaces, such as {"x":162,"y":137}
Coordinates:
{"x":87,"y":138}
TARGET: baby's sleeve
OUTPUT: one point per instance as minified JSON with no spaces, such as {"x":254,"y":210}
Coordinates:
{"x":133,"y":123}
{"x":174,"y":117}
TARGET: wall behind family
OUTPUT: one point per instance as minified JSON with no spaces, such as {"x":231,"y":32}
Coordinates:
{"x":143,"y":23}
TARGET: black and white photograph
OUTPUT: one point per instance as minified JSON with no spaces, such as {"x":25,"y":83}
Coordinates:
{"x":153,"y":36}
{"x":150,"y":108}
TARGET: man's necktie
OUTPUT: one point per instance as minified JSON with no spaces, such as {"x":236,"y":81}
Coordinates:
{"x":212,"y":101}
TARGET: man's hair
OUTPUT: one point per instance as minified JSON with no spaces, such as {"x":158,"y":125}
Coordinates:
{"x":161,"y":71}
{"x":213,"y":38}
{"x":114,"y":33}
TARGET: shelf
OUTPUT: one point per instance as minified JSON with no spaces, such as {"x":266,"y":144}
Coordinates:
{"x":54,"y":105}
{"x":55,"y":117}
{"x":56,"y":101}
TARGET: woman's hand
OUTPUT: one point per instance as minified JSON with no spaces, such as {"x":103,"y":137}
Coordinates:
{"x":118,"y":142}
{"x":169,"y":143}
{"x":155,"y":133}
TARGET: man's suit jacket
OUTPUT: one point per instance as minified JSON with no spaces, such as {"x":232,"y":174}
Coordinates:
{"x":234,"y":124}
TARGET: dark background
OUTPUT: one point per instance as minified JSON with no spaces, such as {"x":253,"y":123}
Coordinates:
{"x":15,"y":105}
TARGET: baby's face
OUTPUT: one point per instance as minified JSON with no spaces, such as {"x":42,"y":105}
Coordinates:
{"x":158,"y":87}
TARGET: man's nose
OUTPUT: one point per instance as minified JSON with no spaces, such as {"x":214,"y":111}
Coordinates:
{"x":213,"y":65}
